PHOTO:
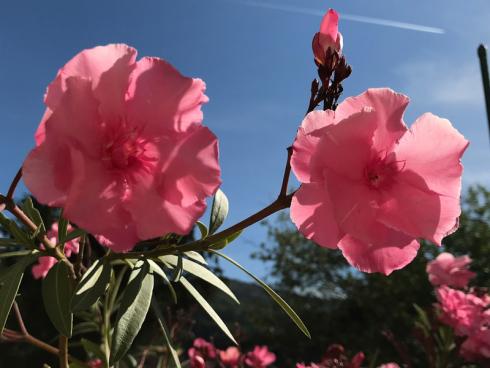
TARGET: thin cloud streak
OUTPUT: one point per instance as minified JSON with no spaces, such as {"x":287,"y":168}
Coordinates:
{"x":350,"y":17}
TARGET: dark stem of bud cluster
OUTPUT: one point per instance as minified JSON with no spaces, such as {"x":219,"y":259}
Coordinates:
{"x":331,"y":73}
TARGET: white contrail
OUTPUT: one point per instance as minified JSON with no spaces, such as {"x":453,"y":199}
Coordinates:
{"x":351,"y":17}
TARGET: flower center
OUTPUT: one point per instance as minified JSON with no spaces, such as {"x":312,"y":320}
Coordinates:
{"x":381,"y":171}
{"x":124,"y":148}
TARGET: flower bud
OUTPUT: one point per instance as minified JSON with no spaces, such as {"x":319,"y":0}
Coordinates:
{"x":328,"y":37}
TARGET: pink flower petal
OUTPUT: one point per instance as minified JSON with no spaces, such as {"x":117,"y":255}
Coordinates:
{"x":107,"y":67}
{"x":192,"y":172}
{"x":311,"y":212}
{"x":376,"y":258}
{"x":163,"y":98}
{"x":433,"y":149}
{"x":345,"y":148}
{"x":304,"y":148}
{"x":330,"y":25}
{"x":100,"y":193}
{"x":389,"y":107}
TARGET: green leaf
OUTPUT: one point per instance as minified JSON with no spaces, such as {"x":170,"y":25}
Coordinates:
{"x":424,"y":320}
{"x":203,"y":229}
{"x":10,"y":279}
{"x":219,"y":211}
{"x":280,"y":301}
{"x":196,"y":257}
{"x":178,"y":268}
{"x":134,"y":306}
{"x":20,"y":235}
{"x":31,"y":212}
{"x":57,"y":290}
{"x":200,"y":271}
{"x":62,"y":229}
{"x":207,"y":307}
{"x":155,"y":268}
{"x":223,"y":243}
{"x":74,"y":234}
{"x":163,"y":327}
{"x":93,"y":349}
{"x":92,"y":285}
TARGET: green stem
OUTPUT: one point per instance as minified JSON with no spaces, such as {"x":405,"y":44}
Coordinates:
{"x":17,"y":253}
{"x":63,"y":352}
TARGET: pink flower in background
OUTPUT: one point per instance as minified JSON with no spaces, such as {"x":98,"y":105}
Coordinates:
{"x":465,"y":312}
{"x":230,"y":357}
{"x":207,"y":349}
{"x":329,"y":36}
{"x":389,"y":365}
{"x":40,"y":270}
{"x":370,"y":186}
{"x":449,"y":270}
{"x":95,"y":363}
{"x":196,"y":360}
{"x":121,"y":147}
{"x":477,"y":345}
{"x":302,"y":365}
{"x":357,"y":360}
{"x":259,"y":357}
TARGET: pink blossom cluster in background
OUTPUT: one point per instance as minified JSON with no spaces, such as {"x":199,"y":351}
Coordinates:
{"x":449,"y":270}
{"x":204,"y":354}
{"x":44,"y":264}
{"x":335,"y":356}
{"x":467,"y":310}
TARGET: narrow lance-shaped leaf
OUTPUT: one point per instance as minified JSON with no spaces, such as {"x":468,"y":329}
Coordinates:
{"x":10,"y":279}
{"x":32,"y":212}
{"x":202,"y":229}
{"x":196,"y":257}
{"x":219,"y":211}
{"x":207,"y":307}
{"x":20,"y":235}
{"x":57,"y":290}
{"x":134,"y":306}
{"x":280,"y":301}
{"x":223,"y":243}
{"x":200,"y":271}
{"x":155,"y":268}
{"x":164,"y":329}
{"x":92,"y":285}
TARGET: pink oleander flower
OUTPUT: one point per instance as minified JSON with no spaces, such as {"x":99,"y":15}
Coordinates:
{"x":370,"y":186}
{"x":95,"y":363}
{"x":389,"y":365}
{"x":259,"y":357}
{"x":196,"y":360}
{"x":230,"y":357}
{"x":44,"y":264}
{"x":329,"y":36}
{"x":477,"y":346}
{"x":449,"y":270}
{"x":121,"y":147}
{"x":207,"y":349}
{"x":311,"y":365}
{"x":464,"y":312}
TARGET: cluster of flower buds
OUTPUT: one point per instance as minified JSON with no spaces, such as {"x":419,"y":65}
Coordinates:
{"x":332,"y":65}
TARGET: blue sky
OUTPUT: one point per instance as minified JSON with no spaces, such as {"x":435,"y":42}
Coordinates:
{"x":257,"y":64}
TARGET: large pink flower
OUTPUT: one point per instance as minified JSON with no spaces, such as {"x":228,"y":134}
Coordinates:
{"x":44,"y":264}
{"x":259,"y":357}
{"x":329,"y":36}
{"x":121,"y":147}
{"x":449,"y":270}
{"x":370,"y":186}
